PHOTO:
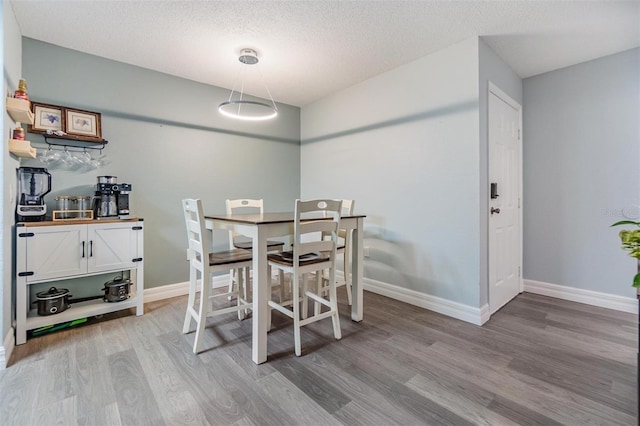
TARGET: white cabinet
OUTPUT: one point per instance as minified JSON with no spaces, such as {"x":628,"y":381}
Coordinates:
{"x":50,"y":251}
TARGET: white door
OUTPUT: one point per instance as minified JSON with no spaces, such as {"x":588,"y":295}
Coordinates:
{"x":505,"y":171}
{"x":112,"y":246}
{"x":55,"y":252}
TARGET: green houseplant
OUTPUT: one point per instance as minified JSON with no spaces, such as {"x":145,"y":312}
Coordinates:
{"x":630,"y":239}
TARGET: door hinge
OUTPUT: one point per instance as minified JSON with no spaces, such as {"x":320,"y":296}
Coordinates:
{"x":518,"y":134}
{"x":518,"y":271}
{"x":25,"y":274}
{"x":518,"y":202}
{"x":137,"y":259}
{"x":26,"y":234}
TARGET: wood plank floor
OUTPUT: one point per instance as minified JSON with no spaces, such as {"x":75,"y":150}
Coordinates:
{"x":538,"y":361}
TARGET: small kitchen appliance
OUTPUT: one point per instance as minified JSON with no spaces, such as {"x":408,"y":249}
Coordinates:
{"x":117,"y":289}
{"x":123,"y":200}
{"x":33,"y":184}
{"x":52,"y":301}
{"x":111,"y":199}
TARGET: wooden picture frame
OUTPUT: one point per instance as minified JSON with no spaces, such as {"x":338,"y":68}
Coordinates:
{"x":47,"y":117}
{"x":85,"y":124}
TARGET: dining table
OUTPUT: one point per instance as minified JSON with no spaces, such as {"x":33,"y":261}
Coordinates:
{"x":261,"y":226}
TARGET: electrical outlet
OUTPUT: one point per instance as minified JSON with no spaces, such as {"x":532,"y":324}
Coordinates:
{"x":366,"y":251}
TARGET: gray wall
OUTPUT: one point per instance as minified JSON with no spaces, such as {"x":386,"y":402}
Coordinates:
{"x":581,"y":174}
{"x":167,"y":139}
{"x":495,"y":70}
{"x":12,"y":52}
{"x":404,"y":145}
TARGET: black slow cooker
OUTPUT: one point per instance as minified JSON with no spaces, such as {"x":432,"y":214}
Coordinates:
{"x":52,"y":301}
{"x":117,"y":289}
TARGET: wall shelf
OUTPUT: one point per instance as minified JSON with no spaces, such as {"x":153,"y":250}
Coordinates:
{"x":19,"y":110}
{"x":75,"y":142}
{"x":21,"y":148}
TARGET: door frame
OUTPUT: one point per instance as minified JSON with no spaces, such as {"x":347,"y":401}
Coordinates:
{"x":492,"y":88}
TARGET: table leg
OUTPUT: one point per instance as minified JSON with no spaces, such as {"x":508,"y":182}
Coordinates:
{"x":357,"y":259}
{"x":261,"y":292}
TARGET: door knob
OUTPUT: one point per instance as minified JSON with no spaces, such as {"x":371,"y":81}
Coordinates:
{"x":494,"y":210}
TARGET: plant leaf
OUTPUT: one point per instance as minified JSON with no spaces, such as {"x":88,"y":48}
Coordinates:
{"x":636,"y":280}
{"x":626,"y":222}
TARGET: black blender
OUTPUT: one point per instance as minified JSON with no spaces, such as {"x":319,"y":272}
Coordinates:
{"x":33,"y":184}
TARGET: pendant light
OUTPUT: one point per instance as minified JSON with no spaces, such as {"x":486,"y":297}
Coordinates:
{"x":244,"y":109}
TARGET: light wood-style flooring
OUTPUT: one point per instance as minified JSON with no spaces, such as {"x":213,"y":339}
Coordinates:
{"x":538,"y":361}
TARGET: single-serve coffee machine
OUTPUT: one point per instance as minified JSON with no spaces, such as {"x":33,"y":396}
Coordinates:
{"x":33,"y":184}
{"x":111,"y":198}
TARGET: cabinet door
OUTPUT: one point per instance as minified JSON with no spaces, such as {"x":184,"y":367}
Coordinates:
{"x":55,"y":251}
{"x":112,"y":246}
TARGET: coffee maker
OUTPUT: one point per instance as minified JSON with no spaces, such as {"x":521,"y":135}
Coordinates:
{"x":111,"y":199}
{"x":33,"y":184}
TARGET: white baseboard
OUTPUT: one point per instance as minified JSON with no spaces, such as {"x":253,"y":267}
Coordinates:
{"x":166,"y":291}
{"x":447,"y":307}
{"x":588,"y":297}
{"x":179,"y":289}
{"x":6,"y":350}
{"x":450,"y":308}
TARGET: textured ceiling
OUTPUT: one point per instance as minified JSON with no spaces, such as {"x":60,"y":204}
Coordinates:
{"x":310,"y":49}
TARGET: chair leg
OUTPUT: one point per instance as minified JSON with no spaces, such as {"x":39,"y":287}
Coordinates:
{"x":319,"y":292}
{"x":305,"y":300}
{"x":281,"y":289}
{"x":248,"y":283}
{"x":286,"y":292}
{"x":239,"y":296}
{"x":193,"y":278}
{"x":333,"y":300}
{"x":347,"y":276}
{"x":202,"y":313}
{"x":296,"y":314}
{"x":232,"y":277}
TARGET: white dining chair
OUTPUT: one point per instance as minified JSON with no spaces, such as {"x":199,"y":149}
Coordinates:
{"x":344,"y":249}
{"x":311,"y":253}
{"x":236,"y":240}
{"x":202,"y":264}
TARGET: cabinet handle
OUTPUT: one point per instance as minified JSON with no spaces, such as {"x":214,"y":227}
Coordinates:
{"x":91,"y":248}
{"x":83,"y":249}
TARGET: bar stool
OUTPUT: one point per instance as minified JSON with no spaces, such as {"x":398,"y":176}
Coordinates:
{"x":311,"y":253}
{"x":202,"y":264}
{"x":246,"y":205}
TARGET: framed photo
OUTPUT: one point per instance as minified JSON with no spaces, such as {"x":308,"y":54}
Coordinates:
{"x":83,"y":123}
{"x":47,"y":117}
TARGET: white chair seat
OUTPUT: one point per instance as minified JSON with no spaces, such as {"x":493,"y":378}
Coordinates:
{"x":248,"y":245}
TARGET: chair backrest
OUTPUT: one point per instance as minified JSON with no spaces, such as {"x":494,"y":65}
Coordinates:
{"x":199,"y":242}
{"x":247,"y":205}
{"x":303,"y":229}
{"x":346,"y":210}
{"x":242,"y":205}
{"x":347,"y":207}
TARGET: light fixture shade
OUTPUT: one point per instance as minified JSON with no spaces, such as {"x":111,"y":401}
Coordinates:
{"x":243,"y":109}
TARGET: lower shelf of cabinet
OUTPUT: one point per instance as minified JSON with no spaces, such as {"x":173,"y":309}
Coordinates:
{"x":89,"y":308}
